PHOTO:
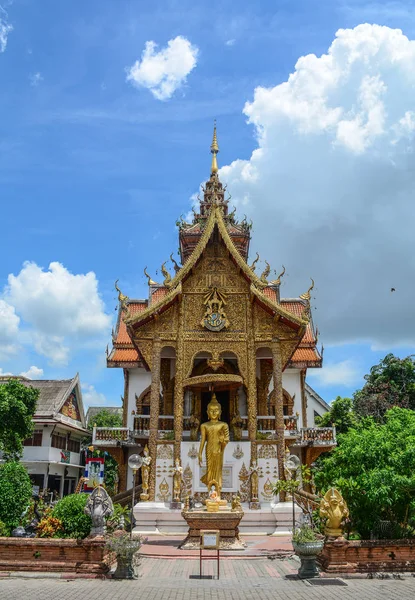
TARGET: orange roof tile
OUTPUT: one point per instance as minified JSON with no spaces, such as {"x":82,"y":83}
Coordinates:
{"x":158,"y":294}
{"x":270,"y":293}
{"x":297,"y":307}
{"x":124,"y":355}
{"x":302,"y":355}
{"x":122,"y":335}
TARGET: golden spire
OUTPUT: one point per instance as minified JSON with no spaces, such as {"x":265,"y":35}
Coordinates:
{"x":214,"y":148}
{"x":307,"y":295}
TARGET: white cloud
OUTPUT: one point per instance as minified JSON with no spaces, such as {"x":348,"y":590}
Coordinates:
{"x":330,"y":185}
{"x":9,"y":330}
{"x":4,"y":373}
{"x":33,"y":373}
{"x":345,"y":373}
{"x":59,"y":307}
{"x":230,"y":42}
{"x":5,"y":29}
{"x":35,"y":79}
{"x":165,"y":71}
{"x":91,"y":397}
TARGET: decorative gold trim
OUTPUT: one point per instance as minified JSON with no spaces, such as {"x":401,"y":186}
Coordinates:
{"x":212,"y":378}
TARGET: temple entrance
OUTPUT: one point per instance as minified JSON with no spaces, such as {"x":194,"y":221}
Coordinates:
{"x":223,"y":398}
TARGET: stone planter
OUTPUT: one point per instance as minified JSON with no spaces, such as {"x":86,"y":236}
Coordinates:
{"x":125,"y":568}
{"x":307,"y":553}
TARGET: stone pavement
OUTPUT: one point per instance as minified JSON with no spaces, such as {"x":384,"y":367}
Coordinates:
{"x":241,"y":579}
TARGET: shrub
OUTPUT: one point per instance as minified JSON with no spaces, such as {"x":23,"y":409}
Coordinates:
{"x":4,"y":530}
{"x":70,"y":510}
{"x":304,"y":534}
{"x":123,"y":546}
{"x":15,"y":493}
{"x":49,"y":527}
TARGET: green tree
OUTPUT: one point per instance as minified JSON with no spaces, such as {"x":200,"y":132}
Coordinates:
{"x":389,"y":383}
{"x":15,"y":493}
{"x":374,"y":468}
{"x":70,"y":510}
{"x":341,"y":415}
{"x":105,"y":418}
{"x":17,"y":407}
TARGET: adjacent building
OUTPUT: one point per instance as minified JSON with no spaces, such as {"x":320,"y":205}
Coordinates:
{"x":52,"y":455}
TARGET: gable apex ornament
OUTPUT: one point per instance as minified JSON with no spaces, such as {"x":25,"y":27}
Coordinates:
{"x":215,"y":317}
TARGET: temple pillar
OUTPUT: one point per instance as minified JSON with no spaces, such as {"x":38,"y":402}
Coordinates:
{"x":179,"y":392}
{"x":154,"y":416}
{"x":252,"y":388}
{"x":303,"y":397}
{"x":279,"y":406}
{"x":125,"y":398}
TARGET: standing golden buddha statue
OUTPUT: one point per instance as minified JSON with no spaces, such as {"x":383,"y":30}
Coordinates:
{"x":215,"y":434}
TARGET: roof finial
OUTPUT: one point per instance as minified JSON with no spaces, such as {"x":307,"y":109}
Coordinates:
{"x":214,"y":148}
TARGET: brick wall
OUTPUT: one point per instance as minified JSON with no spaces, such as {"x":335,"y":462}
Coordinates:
{"x":68,"y":556}
{"x":367,"y":556}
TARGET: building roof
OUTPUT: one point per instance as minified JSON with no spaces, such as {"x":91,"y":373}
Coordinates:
{"x":52,"y":397}
{"x":316,"y":397}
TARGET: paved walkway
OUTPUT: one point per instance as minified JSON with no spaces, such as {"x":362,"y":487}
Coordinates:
{"x":242,"y":579}
{"x":261,"y":545}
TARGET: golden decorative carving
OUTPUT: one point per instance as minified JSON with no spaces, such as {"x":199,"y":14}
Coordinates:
{"x":123,"y":300}
{"x":145,"y":472}
{"x":265,"y":273}
{"x":193,"y":452}
{"x":238,"y":452}
{"x":278,"y":280}
{"x":194,"y":427}
{"x":253,"y":266}
{"x":150,"y":281}
{"x":154,"y":415}
{"x":187,"y":479}
{"x":167,"y":276}
{"x":175,"y":265}
{"x":212,"y":378}
{"x":267,"y":493}
{"x":215,"y":434}
{"x":333,"y":509}
{"x":237,"y":426}
{"x":267,"y":451}
{"x":279,"y":408}
{"x":216,"y":362}
{"x":244,"y":483}
{"x":165,"y":451}
{"x":177,"y":480}
{"x":215,"y":317}
{"x":164,"y":491}
{"x":307,"y":295}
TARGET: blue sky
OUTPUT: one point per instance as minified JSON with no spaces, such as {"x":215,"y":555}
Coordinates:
{"x":95,"y":171}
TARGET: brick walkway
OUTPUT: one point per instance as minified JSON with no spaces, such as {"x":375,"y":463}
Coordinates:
{"x":241,"y":579}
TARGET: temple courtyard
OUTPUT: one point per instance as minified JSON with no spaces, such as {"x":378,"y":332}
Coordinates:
{"x":264,"y":578}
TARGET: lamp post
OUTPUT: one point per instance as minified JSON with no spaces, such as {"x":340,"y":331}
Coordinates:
{"x":134,"y":462}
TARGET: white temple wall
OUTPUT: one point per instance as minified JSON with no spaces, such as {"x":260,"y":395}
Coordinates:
{"x":313,"y":405}
{"x":139,"y":380}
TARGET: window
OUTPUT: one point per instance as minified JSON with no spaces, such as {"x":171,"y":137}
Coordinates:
{"x":74,"y":446}
{"x":58,"y":441}
{"x":35,"y":440}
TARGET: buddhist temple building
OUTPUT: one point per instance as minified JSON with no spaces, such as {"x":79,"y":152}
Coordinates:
{"x":216,"y":323}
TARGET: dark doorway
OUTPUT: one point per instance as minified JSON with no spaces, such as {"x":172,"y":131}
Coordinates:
{"x":222,"y":398}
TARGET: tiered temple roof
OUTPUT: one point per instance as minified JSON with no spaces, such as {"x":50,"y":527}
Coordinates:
{"x":213,"y":213}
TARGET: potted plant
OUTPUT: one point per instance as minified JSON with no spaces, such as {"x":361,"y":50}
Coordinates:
{"x":125,"y":549}
{"x":307,"y":545}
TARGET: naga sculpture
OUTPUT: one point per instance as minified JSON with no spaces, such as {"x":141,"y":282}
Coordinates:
{"x":333,"y":509}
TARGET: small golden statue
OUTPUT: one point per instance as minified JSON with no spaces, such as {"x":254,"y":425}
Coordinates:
{"x":334,"y":509}
{"x":215,"y":434}
{"x":237,"y":425}
{"x":145,"y":473}
{"x":236,"y":503}
{"x":213,"y":502}
{"x":254,"y":477}
{"x":177,"y":480}
{"x":194,"y":427}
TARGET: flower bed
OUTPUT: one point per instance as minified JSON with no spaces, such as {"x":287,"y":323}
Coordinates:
{"x":86,"y":556}
{"x":366,"y":556}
